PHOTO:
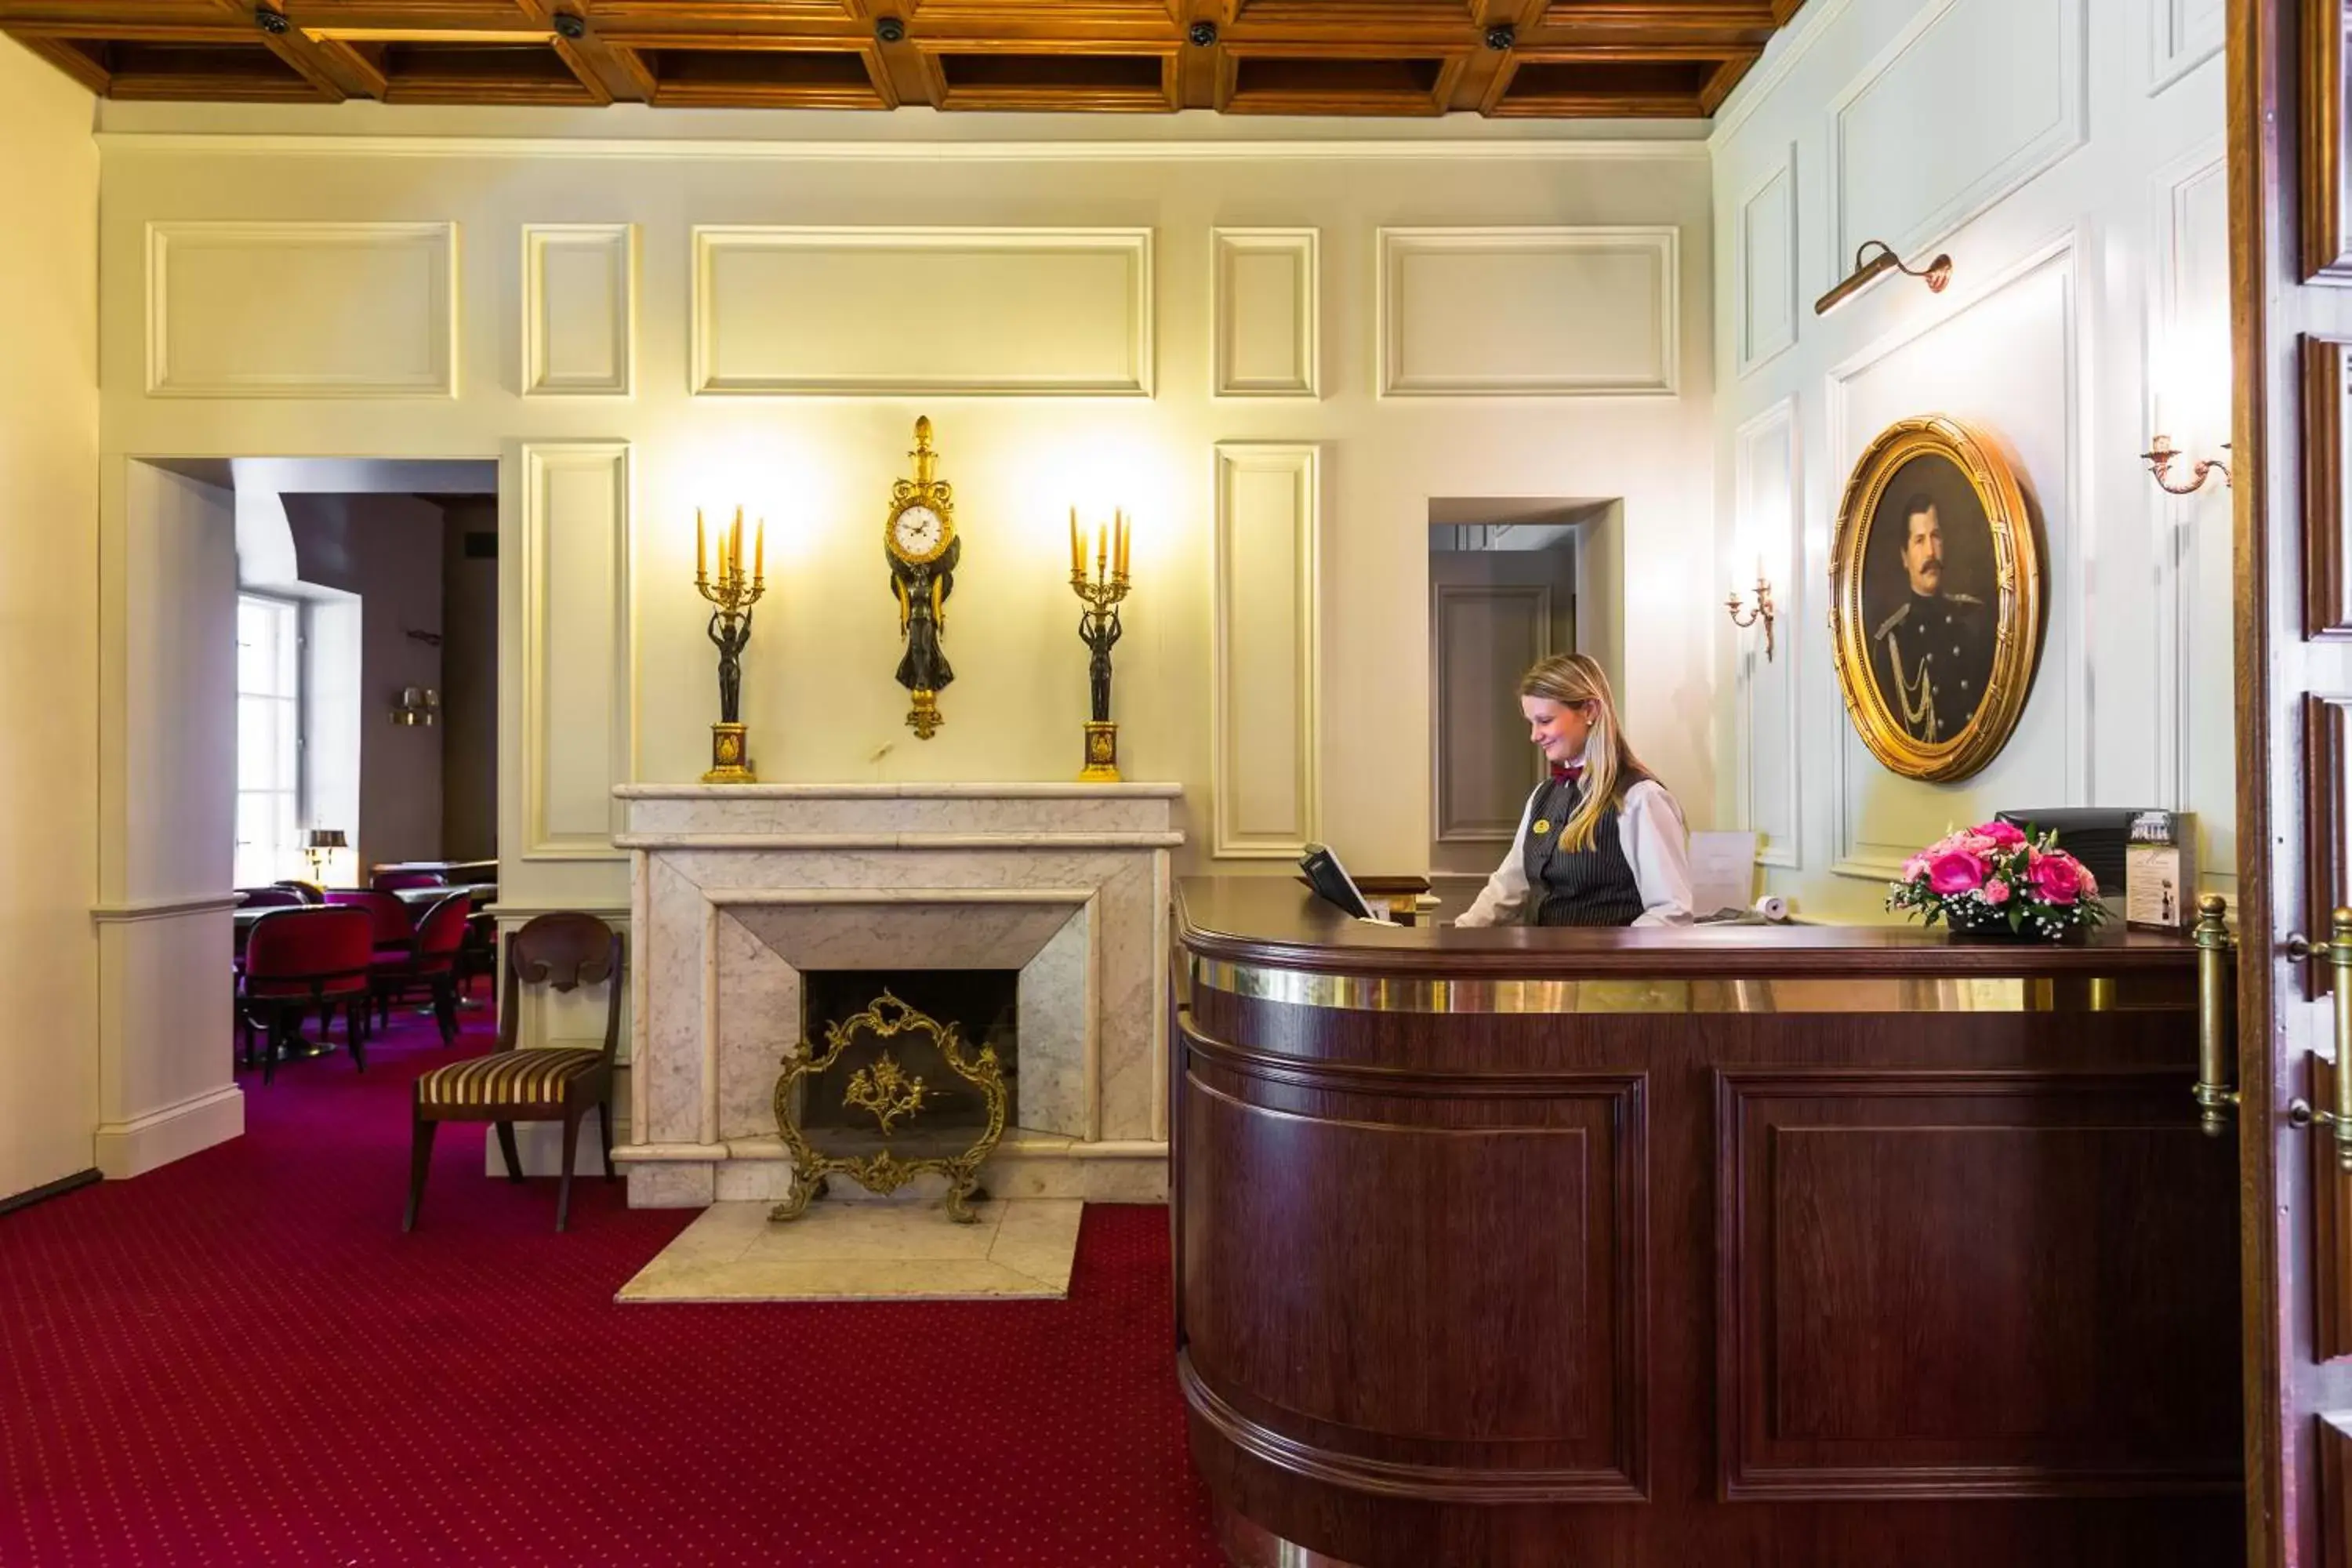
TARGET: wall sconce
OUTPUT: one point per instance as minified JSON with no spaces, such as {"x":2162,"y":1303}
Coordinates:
{"x":2159,"y":459}
{"x":1744,"y":614}
{"x":1936,"y":274}
{"x":418,"y":705}
{"x":316,"y":844}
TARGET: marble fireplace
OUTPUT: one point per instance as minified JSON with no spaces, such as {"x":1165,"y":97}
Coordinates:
{"x":739,"y":891}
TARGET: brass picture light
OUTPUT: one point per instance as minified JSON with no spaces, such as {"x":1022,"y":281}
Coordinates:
{"x":1936,"y":274}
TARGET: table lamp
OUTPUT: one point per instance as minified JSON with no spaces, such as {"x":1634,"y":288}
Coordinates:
{"x":316,"y":842}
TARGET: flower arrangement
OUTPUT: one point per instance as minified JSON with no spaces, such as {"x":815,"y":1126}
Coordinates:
{"x":1992,"y":877}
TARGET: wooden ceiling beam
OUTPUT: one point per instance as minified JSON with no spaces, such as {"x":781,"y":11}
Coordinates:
{"x":1555,"y":58}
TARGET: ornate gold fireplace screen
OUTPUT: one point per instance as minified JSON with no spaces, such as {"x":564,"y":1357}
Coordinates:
{"x":884,"y":1088}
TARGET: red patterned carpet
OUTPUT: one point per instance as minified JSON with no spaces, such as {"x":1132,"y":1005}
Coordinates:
{"x":239,"y":1360}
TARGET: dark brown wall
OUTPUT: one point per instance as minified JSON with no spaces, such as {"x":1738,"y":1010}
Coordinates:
{"x":469,"y":692}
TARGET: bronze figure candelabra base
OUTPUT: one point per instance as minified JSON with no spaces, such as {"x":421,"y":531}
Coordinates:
{"x":1102,"y":753}
{"x":925,"y":717}
{"x":730,"y":757}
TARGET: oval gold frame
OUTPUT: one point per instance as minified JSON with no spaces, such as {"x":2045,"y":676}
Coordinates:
{"x":2017,"y":610}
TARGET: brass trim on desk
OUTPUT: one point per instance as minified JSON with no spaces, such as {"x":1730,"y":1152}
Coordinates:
{"x":1862,"y":994}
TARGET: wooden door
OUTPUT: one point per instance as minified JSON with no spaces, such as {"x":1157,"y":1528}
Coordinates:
{"x":1492,"y":614}
{"x":2291,"y":244}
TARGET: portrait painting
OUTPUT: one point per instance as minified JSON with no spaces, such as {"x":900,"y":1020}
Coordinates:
{"x":1936,"y":598}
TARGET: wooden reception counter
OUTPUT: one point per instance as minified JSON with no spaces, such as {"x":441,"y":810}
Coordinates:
{"x":1724,"y":1247}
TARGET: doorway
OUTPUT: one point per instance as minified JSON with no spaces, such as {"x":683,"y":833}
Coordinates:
{"x":1507,"y":581}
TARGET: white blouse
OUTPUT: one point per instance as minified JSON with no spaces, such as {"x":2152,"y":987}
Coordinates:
{"x":1656,"y":844}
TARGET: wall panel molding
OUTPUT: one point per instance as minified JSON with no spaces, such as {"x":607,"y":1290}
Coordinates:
{"x":2182,"y":36}
{"x":2188,"y":335}
{"x":2065,"y":655}
{"x":1836,"y":1187}
{"x":1883,"y":185}
{"x":2327,"y":456}
{"x":578,"y":722}
{"x":1768,"y":498}
{"x":1266,"y":684}
{"x":1528,"y":312}
{"x":1267,"y":288}
{"x":1764,"y":258}
{"x":262,"y":310}
{"x":911,"y":312}
{"x":578,"y":310}
{"x":2326,"y":171}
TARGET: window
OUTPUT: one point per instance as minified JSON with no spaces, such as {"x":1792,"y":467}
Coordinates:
{"x":269,"y":741}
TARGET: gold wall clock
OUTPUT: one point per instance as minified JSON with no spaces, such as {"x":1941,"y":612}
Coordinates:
{"x":919,"y":540}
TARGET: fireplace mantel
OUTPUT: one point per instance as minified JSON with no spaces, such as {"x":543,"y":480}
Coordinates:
{"x":736,"y":889}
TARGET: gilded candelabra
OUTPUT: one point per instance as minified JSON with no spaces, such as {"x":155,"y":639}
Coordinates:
{"x":731,"y":595}
{"x":1098,"y":628}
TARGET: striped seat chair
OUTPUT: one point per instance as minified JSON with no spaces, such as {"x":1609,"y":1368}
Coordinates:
{"x":561,"y":952}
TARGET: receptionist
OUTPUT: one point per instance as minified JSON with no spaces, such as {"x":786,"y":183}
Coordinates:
{"x":1602,"y":842}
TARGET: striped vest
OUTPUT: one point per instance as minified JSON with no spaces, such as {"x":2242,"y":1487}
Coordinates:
{"x":1592,"y":887}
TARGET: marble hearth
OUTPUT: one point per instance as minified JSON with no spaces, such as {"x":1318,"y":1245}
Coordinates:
{"x":738,"y":890}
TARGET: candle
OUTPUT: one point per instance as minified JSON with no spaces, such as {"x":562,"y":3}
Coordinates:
{"x":735,"y":544}
{"x":701,"y":551}
{"x":760,"y":555}
{"x":1122,"y":543}
{"x":1077,"y":548}
{"x":1102,"y":548}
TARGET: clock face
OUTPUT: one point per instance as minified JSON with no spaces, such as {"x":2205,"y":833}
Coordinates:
{"x":919,"y":531}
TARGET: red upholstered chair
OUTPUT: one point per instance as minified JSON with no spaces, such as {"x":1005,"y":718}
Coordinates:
{"x":394,"y":939}
{"x":296,"y":961}
{"x":430,"y":960}
{"x":544,"y":1084}
{"x":393,"y":881}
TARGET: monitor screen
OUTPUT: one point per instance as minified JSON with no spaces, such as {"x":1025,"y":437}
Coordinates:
{"x":2095,"y":835}
{"x":1329,"y":878}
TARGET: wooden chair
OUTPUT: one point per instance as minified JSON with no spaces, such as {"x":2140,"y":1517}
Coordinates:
{"x":562,"y":951}
{"x":299,"y":960}
{"x":430,"y":960}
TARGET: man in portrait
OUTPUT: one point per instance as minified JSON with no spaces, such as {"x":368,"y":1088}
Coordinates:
{"x":1934,"y":649}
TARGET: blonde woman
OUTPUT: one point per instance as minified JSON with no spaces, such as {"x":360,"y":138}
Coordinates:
{"x":1601,"y":843}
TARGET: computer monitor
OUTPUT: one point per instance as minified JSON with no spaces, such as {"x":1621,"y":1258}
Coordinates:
{"x":2095,"y":835}
{"x":1330,"y":879}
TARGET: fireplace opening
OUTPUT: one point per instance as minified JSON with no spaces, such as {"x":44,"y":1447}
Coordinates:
{"x":982,"y":1002}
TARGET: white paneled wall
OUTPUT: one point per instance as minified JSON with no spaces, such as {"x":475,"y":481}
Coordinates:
{"x":578,"y":310}
{"x":1263,"y":782}
{"x":2067,"y":154}
{"x":260,"y":309}
{"x":1271,"y":355}
{"x":886,"y":312}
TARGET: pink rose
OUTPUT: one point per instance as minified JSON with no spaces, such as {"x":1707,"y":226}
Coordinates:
{"x":1916,"y":868}
{"x":1996,"y":892}
{"x":1981,"y":844}
{"x":1955,"y":872}
{"x":2055,"y":877}
{"x":2002,"y":834}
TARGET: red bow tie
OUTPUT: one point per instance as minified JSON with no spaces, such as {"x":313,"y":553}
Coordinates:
{"x":1562,"y":771}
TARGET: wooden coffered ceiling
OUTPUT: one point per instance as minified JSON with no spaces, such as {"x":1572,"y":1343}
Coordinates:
{"x":1548,"y":59}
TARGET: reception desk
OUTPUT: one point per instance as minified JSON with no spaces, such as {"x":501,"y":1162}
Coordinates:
{"x":1791,"y":1247}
